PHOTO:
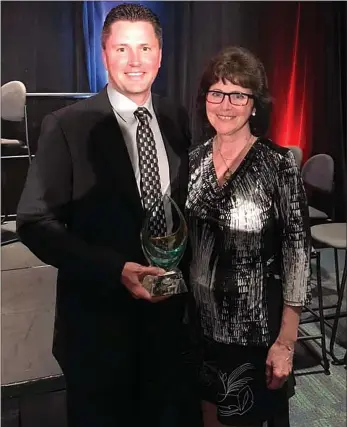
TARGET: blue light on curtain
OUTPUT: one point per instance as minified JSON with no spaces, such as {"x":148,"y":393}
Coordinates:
{"x":94,"y":14}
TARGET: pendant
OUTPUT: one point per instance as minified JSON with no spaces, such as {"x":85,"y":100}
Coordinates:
{"x":227,"y":174}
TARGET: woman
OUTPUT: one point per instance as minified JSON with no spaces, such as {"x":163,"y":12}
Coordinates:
{"x":249,"y":232}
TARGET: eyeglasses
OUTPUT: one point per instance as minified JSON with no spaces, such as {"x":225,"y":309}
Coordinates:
{"x":235,"y":98}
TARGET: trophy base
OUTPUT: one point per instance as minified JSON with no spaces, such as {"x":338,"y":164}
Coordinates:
{"x":170,"y":283}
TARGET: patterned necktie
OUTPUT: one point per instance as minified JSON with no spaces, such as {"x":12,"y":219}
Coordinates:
{"x":149,"y":171}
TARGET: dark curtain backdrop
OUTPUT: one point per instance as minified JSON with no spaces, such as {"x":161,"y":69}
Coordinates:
{"x":339,"y":90}
{"x":195,"y":32}
{"x":293,"y":56}
{"x":42,"y":45}
{"x":341,"y":53}
{"x":302,"y":44}
{"x":304,"y":49}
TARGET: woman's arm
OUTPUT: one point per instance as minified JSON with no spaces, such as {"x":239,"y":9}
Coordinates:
{"x":289,"y":327}
{"x":292,"y":211}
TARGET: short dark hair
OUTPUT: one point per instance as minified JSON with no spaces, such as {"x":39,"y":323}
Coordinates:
{"x":241,"y":67}
{"x":131,"y":12}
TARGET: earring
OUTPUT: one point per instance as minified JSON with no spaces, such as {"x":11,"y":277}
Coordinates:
{"x":253,"y":113}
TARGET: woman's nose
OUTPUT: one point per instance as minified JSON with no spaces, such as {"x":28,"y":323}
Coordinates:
{"x":226,"y":104}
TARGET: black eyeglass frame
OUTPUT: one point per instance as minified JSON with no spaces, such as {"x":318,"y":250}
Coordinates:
{"x":249,"y":96}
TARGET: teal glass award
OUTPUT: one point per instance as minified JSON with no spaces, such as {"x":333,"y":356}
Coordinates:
{"x":164,"y":246}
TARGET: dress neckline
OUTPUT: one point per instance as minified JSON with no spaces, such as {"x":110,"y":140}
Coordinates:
{"x":244,"y":162}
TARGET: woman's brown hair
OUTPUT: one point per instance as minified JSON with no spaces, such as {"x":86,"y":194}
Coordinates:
{"x":241,"y":67}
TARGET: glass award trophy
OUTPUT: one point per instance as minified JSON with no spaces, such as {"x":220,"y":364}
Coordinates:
{"x":164,"y":246}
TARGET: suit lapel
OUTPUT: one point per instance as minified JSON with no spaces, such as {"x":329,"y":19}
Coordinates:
{"x":111,"y":154}
{"x":111,"y":157}
{"x":174,"y":160}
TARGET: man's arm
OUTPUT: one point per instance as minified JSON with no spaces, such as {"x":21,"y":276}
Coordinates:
{"x":44,"y":208}
{"x":42,"y":216}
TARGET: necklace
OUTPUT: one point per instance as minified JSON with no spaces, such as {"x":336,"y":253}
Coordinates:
{"x":236,"y":161}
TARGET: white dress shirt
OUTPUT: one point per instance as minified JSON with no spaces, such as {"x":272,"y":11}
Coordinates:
{"x":124,"y":109}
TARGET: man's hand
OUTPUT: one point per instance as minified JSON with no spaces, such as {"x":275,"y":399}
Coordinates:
{"x":132,"y":276}
{"x":279,"y":364}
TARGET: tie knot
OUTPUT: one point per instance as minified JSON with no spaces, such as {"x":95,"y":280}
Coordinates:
{"x":142,"y":114}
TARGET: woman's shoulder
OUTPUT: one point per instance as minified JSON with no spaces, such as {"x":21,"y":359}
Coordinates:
{"x":276,"y":153}
{"x":197,"y":150}
{"x":272,"y":148}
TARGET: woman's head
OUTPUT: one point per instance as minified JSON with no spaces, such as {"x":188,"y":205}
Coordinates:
{"x":234,"y":71}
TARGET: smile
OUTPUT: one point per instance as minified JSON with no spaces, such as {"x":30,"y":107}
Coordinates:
{"x":138,"y":74}
{"x":225,"y":117}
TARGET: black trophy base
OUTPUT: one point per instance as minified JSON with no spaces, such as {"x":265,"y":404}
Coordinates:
{"x":170,"y":283}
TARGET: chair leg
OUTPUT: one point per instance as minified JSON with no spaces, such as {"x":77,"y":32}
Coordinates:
{"x":3,"y":179}
{"x":4,"y":219}
{"x":337,"y":317}
{"x":325,"y":360}
{"x":337,"y":273}
{"x":27,"y":134}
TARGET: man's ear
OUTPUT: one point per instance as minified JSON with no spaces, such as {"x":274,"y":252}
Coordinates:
{"x":104,"y":60}
{"x":160,"y":56}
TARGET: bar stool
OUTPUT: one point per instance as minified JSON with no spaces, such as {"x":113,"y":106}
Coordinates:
{"x":332,"y":235}
{"x":318,"y":177}
{"x":13,"y":109}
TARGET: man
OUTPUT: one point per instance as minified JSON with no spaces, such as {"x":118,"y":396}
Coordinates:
{"x":81,"y":211}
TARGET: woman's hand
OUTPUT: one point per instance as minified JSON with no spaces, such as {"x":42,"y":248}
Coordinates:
{"x":279,"y":364}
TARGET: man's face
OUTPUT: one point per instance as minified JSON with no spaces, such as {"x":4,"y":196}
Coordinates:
{"x":132,"y":58}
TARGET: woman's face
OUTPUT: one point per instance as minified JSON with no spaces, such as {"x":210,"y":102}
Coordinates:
{"x":226,"y":118}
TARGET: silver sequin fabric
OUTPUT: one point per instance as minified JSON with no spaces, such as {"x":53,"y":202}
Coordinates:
{"x":252,"y":228}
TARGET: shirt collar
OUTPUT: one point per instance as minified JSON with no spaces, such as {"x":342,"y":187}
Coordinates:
{"x":125,"y":107}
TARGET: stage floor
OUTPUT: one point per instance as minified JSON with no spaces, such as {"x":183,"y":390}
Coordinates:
{"x":27,"y":313}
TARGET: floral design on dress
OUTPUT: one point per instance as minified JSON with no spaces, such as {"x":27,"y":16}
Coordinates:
{"x":237,"y":397}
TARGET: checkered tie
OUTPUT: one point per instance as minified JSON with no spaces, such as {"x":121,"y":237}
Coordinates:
{"x":149,"y":171}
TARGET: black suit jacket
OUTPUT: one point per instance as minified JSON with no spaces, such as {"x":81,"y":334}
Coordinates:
{"x":80,"y":211}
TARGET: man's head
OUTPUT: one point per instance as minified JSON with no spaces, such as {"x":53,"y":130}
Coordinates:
{"x":132,"y":50}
